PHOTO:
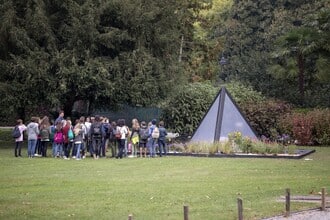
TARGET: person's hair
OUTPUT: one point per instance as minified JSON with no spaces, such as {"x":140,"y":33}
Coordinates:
{"x":82,"y":119}
{"x":33,"y":119}
{"x":121,"y":122}
{"x":135,"y":124}
{"x":68,"y":122}
{"x":19,"y":121}
{"x":143,"y":123}
{"x":44,"y":123}
{"x":60,"y":112}
{"x":97,"y":118}
{"x":161,"y":123}
{"x":153,"y":121}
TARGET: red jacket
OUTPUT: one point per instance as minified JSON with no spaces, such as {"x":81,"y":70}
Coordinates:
{"x":65,"y":133}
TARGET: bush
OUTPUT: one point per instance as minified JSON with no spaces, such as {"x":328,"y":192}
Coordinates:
{"x":308,"y":127}
{"x":302,"y":128}
{"x":321,"y":126}
{"x":184,"y":110}
{"x":264,"y":116}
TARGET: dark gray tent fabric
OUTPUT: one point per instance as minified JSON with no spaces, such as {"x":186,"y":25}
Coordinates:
{"x":222,"y":118}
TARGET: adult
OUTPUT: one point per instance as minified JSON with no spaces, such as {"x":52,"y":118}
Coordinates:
{"x":32,"y":132}
{"x":122,"y":129}
{"x":60,"y":117}
{"x":19,"y":140}
{"x":96,"y":136}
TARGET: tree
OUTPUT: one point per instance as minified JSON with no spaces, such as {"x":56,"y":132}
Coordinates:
{"x":55,"y":53}
{"x":293,"y":48}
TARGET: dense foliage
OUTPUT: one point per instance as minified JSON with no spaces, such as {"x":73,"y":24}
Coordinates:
{"x":311,"y":127}
{"x":104,"y":53}
{"x":186,"y":108}
{"x":54,"y":53}
{"x":299,"y":61}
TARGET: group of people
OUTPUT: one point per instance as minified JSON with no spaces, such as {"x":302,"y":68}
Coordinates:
{"x":94,"y":135}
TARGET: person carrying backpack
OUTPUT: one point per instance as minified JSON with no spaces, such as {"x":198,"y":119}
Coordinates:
{"x":96,"y":136}
{"x":44,"y":135}
{"x":143,"y":133}
{"x":106,"y":130}
{"x":153,"y":137}
{"x":122,"y":130}
{"x":58,"y":139}
{"x":113,"y":140}
{"x":19,"y":139}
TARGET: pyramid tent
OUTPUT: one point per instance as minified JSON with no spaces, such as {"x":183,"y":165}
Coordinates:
{"x":222,"y":118}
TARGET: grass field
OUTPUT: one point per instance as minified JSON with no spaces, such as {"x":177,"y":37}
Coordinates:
{"x":158,"y":188}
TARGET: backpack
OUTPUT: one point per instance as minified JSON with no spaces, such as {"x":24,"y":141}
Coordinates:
{"x":144,"y":133}
{"x":107,"y":129}
{"x":16,"y":132}
{"x":97,"y":129}
{"x":44,"y":134}
{"x":117,"y":133}
{"x":155,"y":132}
{"x":70,"y":134}
{"x":58,"y":137}
{"x":52,"y":132}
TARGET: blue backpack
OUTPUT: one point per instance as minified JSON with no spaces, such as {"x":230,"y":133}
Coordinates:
{"x":16,"y":132}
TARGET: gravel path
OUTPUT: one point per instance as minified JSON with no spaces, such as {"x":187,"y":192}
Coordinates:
{"x":314,"y":214}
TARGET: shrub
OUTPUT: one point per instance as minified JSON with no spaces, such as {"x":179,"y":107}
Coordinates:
{"x":307,"y":127}
{"x":185,"y":109}
{"x":264,"y":116}
{"x":302,"y":128}
{"x":321,"y":126}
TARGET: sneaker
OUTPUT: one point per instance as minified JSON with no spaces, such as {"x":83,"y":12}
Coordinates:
{"x":65,"y":158}
{"x":78,"y":159}
{"x":84,"y":157}
{"x":74,"y":157}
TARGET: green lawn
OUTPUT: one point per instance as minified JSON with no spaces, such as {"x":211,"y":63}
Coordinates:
{"x":48,"y":188}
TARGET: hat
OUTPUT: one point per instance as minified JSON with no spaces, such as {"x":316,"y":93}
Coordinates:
{"x":153,"y":121}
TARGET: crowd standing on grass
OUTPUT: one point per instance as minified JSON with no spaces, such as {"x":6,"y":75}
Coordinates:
{"x":97,"y":137}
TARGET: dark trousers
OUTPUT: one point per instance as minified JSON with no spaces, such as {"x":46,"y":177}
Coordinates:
{"x":97,"y":142}
{"x":18,"y":148}
{"x":162,"y":147}
{"x":38,"y":147}
{"x":121,"y":147}
{"x":43,"y":145}
{"x":67,"y":148}
{"x":113,"y":147}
